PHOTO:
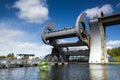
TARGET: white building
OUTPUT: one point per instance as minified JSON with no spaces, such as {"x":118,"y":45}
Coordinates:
{"x":25,"y":56}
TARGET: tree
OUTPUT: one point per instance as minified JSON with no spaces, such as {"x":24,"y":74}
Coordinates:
{"x":10,"y":56}
{"x":114,"y":52}
{"x":2,"y":57}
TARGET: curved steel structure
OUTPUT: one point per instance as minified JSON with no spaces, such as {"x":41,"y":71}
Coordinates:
{"x":51,"y":36}
{"x":95,"y":40}
{"x":48,"y":27}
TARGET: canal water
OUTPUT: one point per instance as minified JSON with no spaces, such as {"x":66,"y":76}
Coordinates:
{"x":63,"y":72}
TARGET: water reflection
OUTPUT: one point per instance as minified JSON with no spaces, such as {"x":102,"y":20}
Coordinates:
{"x":98,"y":72}
{"x":26,"y":73}
{"x":65,"y":72}
{"x":59,"y":72}
{"x":43,"y":75}
{"x":54,"y":73}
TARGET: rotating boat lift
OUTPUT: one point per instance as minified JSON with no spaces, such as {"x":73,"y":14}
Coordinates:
{"x":94,"y":39}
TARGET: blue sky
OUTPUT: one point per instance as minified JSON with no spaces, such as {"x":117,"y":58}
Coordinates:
{"x":21,"y":22}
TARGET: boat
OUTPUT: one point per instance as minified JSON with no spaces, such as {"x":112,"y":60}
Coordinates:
{"x":43,"y":65}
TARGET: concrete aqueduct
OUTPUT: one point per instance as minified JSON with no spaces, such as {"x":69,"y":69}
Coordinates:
{"x":94,"y":38}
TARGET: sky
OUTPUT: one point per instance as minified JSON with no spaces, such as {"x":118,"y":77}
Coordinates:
{"x":21,"y":22}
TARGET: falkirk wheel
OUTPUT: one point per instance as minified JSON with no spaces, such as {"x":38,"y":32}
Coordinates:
{"x":94,"y":38}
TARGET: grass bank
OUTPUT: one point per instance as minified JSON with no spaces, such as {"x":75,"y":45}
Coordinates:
{"x":113,"y":63}
{"x":117,"y":58}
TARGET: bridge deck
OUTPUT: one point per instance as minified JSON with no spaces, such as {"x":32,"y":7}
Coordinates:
{"x":111,"y":20}
{"x":71,"y":44}
{"x":78,"y":53}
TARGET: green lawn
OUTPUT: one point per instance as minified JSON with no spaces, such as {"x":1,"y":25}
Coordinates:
{"x":117,"y":59}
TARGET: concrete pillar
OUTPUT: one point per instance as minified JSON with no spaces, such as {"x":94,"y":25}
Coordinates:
{"x":98,"y":52}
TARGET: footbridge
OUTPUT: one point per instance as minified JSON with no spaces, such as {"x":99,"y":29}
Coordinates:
{"x":94,"y":39}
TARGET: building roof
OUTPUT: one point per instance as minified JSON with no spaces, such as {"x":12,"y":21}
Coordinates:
{"x":26,"y":54}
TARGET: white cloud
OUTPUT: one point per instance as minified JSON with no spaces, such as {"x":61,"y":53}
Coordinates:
{"x":118,"y":5}
{"x":62,"y":41}
{"x":109,"y":47}
{"x":23,"y":47}
{"x":106,"y":9}
{"x":78,"y":48}
{"x":72,"y":48}
{"x":10,"y":42}
{"x":32,"y":11}
{"x":113,"y":43}
{"x":10,"y":34}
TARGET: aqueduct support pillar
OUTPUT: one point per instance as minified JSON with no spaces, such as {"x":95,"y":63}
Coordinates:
{"x":98,"y":52}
